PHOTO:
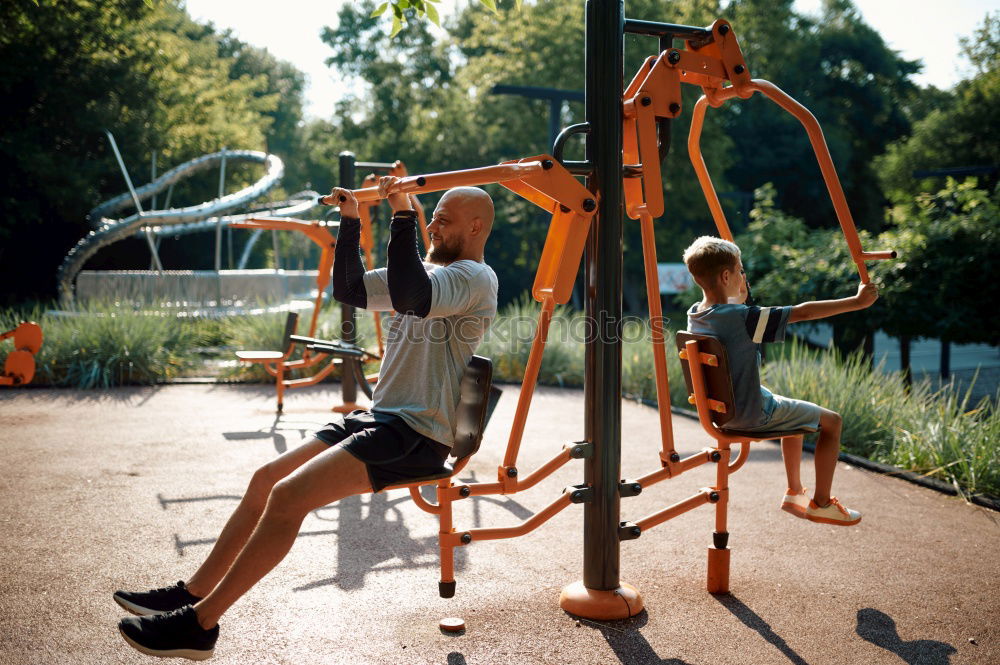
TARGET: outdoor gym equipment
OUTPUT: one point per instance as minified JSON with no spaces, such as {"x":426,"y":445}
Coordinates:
{"x":706,"y":373}
{"x":277,"y":363}
{"x":636,"y":127}
{"x":19,"y":367}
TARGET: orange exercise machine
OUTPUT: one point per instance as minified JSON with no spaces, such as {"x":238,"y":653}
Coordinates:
{"x":711,"y":58}
{"x":587,"y":223}
{"x":19,"y":367}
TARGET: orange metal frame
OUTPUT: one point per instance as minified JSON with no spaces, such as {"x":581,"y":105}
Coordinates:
{"x":19,"y":366}
{"x":653,"y":93}
{"x":547,"y":184}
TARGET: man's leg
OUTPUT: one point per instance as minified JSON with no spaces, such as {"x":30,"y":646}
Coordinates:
{"x":329,"y":476}
{"x":827,"y":452}
{"x":246,"y":516}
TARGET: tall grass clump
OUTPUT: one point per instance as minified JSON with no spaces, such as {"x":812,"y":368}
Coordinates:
{"x":638,"y":375}
{"x":508,"y":345}
{"x":102,"y":346}
{"x":937,"y":434}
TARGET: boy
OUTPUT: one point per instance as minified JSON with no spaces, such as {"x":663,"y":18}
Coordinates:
{"x":717,"y":268}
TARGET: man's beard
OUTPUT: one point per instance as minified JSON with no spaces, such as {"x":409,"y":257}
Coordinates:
{"x":441,"y":254}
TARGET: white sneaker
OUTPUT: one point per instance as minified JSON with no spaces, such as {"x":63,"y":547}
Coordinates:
{"x":796,"y":503}
{"x":833,"y":513}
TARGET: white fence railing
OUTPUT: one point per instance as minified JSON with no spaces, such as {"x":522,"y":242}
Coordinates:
{"x":195,"y":289}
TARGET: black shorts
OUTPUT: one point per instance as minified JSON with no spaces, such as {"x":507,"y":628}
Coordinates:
{"x":389,"y":448}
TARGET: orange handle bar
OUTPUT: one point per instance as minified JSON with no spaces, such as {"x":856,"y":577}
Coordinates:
{"x":436,"y":182}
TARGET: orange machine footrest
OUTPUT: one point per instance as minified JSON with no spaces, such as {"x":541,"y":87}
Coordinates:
{"x":718,"y":570}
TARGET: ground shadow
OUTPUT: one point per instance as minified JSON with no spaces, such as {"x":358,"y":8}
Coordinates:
{"x":880,"y":629}
{"x":276,"y":432}
{"x":630,"y":646}
{"x":371,"y":531}
{"x":752,"y":620}
{"x":378,"y":539}
{"x":132,"y":396}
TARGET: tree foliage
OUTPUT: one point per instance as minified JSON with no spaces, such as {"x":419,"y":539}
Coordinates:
{"x":961,"y":132}
{"x":788,"y":263}
{"x":949,"y":247}
{"x":939,"y":287}
{"x":158,"y":80}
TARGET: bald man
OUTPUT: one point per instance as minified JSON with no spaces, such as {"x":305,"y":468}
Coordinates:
{"x":443,"y":308}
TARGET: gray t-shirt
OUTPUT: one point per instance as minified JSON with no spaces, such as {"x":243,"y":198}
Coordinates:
{"x":425,"y":357}
{"x":742,"y":330}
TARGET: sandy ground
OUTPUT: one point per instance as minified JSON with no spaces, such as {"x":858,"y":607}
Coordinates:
{"x":128,"y":489}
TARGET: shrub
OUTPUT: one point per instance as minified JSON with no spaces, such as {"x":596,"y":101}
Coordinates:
{"x":100,"y":346}
{"x":938,"y":434}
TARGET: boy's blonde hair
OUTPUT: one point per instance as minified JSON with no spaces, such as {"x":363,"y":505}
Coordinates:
{"x":708,"y":256}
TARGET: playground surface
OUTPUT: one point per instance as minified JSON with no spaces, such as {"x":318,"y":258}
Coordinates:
{"x":127,"y":488}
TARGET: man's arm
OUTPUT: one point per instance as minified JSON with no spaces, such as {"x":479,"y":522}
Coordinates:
{"x":348,"y":270}
{"x":409,"y":285}
{"x":821,"y":309}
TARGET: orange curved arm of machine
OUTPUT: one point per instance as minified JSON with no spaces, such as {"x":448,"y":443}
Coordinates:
{"x":19,"y":366}
{"x":817,"y":140}
{"x":655,"y":92}
{"x":319,"y":233}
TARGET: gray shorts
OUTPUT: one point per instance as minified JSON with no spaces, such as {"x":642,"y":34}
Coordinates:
{"x":790,"y":414}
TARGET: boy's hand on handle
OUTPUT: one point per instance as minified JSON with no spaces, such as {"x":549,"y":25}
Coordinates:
{"x":867,"y":295}
{"x":345,"y":199}
{"x":398,"y":201}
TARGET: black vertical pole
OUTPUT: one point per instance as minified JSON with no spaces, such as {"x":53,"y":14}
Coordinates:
{"x":605,"y":79}
{"x":945,"y":359}
{"x":348,"y":330}
{"x":904,"y":359}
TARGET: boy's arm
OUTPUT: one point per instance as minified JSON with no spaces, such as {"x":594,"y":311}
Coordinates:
{"x":821,"y":309}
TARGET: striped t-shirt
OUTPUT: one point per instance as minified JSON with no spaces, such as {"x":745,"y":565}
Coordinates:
{"x":742,"y":330}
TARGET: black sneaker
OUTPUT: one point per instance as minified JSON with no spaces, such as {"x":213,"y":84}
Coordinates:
{"x":175,"y":634}
{"x":156,"y":601}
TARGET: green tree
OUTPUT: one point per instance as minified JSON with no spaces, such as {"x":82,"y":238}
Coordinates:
{"x":72,"y":68}
{"x":788,"y":263}
{"x":281,"y":97}
{"x":960,"y":133}
{"x":949,"y":248}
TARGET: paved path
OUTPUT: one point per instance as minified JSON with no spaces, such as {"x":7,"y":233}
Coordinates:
{"x":128,"y":488}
